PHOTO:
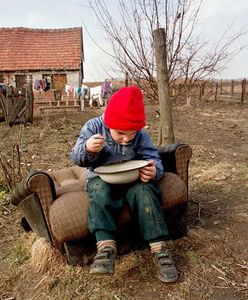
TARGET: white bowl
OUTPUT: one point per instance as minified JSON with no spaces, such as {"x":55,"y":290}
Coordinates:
{"x":121,"y":173}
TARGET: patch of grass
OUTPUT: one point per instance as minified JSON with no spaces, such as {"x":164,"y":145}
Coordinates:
{"x":3,"y":189}
{"x":4,"y":203}
{"x":2,"y":194}
{"x":18,"y":255}
{"x":194,"y":258}
{"x":241,"y":172}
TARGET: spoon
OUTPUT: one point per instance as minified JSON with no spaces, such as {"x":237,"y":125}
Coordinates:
{"x":110,"y":142}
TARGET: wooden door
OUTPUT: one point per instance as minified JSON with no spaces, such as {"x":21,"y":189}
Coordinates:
{"x":59,"y":81}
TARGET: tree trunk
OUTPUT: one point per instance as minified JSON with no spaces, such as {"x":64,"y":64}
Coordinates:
{"x":166,"y":134}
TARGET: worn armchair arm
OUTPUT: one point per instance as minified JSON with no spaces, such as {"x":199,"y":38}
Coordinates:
{"x":175,"y":158}
{"x":21,"y":190}
{"x":34,"y":196}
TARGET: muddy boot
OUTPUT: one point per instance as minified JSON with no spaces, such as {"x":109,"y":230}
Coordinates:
{"x":166,"y":269}
{"x":104,"y":261}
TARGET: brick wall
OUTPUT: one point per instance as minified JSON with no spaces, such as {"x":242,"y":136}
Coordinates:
{"x":47,"y":98}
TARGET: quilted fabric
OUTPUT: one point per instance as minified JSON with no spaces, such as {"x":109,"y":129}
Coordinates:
{"x":174,"y":191}
{"x":183,"y":155}
{"x":68,"y":216}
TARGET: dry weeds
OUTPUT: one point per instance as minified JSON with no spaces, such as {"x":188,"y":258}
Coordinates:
{"x":212,"y":259}
{"x":44,"y":257}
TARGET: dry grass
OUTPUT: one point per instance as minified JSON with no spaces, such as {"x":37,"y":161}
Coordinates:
{"x":213,"y":258}
{"x":44,"y":257}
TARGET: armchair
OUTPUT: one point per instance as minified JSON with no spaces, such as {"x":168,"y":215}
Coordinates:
{"x":55,"y":204}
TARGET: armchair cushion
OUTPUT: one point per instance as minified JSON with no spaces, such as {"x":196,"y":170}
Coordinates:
{"x":68,"y":216}
{"x":69,"y":180}
{"x":174,"y":191}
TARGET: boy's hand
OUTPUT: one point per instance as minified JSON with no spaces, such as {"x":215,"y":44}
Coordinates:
{"x":148,"y":172}
{"x":95,"y":143}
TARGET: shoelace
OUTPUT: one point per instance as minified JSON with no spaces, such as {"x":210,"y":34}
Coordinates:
{"x":164,"y":258}
{"x":105,"y":253}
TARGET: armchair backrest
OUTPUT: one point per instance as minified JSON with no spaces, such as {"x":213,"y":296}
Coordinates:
{"x":69,"y":179}
{"x":175,"y":158}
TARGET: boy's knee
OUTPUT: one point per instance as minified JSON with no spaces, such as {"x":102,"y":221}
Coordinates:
{"x":143,"y":194}
{"x":141,"y":187}
{"x":97,"y":185}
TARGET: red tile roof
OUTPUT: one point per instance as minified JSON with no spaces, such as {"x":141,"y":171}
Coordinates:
{"x":24,"y":49}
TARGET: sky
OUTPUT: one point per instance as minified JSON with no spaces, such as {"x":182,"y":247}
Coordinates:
{"x":215,"y":16}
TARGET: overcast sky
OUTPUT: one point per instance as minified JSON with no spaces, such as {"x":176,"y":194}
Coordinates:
{"x":215,"y":16}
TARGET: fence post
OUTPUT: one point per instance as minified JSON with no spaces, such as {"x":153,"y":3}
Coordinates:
{"x":221,"y":87}
{"x":243,"y":90}
{"x":232,"y":88}
{"x":201,"y":91}
{"x":216,"y":91}
{"x":212,"y":87}
{"x":126,"y":79}
{"x":203,"y":88}
{"x":29,"y":100}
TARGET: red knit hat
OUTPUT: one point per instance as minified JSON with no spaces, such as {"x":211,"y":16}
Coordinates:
{"x":125,"y":110}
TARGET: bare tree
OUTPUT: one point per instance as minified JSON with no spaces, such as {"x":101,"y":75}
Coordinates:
{"x":189,"y":57}
{"x":131,"y":37}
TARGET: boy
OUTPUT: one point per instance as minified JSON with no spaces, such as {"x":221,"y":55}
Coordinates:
{"x":122,"y":122}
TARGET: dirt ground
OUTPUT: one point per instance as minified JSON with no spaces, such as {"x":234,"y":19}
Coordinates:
{"x":212,"y":259}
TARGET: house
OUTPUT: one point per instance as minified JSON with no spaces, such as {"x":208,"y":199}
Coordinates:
{"x":51,"y":58}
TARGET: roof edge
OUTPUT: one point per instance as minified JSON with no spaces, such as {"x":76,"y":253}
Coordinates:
{"x":37,"y":70}
{"x":42,"y":29}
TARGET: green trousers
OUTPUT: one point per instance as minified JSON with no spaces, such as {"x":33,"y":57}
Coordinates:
{"x":106,"y":202}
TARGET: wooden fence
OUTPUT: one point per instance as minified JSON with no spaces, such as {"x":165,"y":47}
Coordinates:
{"x":212,"y":90}
{"x":16,"y":106}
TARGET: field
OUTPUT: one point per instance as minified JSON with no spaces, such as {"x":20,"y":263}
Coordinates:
{"x":212,"y":259}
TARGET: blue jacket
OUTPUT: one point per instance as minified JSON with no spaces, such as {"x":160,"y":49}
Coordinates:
{"x":140,"y":148}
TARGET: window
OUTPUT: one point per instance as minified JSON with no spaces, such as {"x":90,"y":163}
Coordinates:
{"x":47,"y":78}
{"x":56,"y":81}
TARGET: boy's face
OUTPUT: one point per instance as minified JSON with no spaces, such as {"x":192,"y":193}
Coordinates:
{"x":122,"y":136}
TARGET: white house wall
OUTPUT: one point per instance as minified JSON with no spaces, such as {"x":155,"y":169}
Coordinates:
{"x":73,"y":77}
